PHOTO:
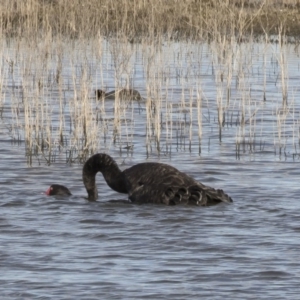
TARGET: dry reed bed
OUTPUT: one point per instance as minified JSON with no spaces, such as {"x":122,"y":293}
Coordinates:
{"x":138,"y":19}
{"x":194,"y":92}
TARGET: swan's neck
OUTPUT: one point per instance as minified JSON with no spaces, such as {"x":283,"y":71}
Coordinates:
{"x":108,"y":167}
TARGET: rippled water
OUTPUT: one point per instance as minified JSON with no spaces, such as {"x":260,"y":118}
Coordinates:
{"x":58,"y":248}
{"x":69,"y":248}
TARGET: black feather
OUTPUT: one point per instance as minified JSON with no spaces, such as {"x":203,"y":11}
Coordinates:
{"x":150,"y":183}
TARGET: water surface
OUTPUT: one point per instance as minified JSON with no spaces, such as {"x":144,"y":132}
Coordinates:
{"x":68,"y":248}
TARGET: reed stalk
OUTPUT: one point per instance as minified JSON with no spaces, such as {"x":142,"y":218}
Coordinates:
{"x":283,"y":68}
{"x":199,"y":117}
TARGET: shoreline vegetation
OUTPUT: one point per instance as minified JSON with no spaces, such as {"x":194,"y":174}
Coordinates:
{"x":56,"y":54}
{"x":138,"y":19}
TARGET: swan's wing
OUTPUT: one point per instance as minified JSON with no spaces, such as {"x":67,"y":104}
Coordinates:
{"x":154,"y":174}
{"x":160,"y":183}
{"x":175,"y":195}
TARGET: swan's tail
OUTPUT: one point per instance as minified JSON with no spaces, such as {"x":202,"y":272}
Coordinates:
{"x":196,"y":195}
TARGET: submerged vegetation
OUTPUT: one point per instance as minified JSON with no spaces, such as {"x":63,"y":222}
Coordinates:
{"x":206,"y":73}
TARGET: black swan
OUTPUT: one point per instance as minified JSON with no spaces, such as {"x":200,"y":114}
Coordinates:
{"x":124,"y":94}
{"x":149,"y":183}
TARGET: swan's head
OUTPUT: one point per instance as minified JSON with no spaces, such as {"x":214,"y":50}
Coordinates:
{"x":57,"y":189}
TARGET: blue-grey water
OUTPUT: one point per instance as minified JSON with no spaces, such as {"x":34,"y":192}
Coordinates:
{"x":68,"y":248}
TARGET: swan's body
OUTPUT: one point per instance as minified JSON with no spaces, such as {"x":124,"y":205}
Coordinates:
{"x":149,"y":183}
